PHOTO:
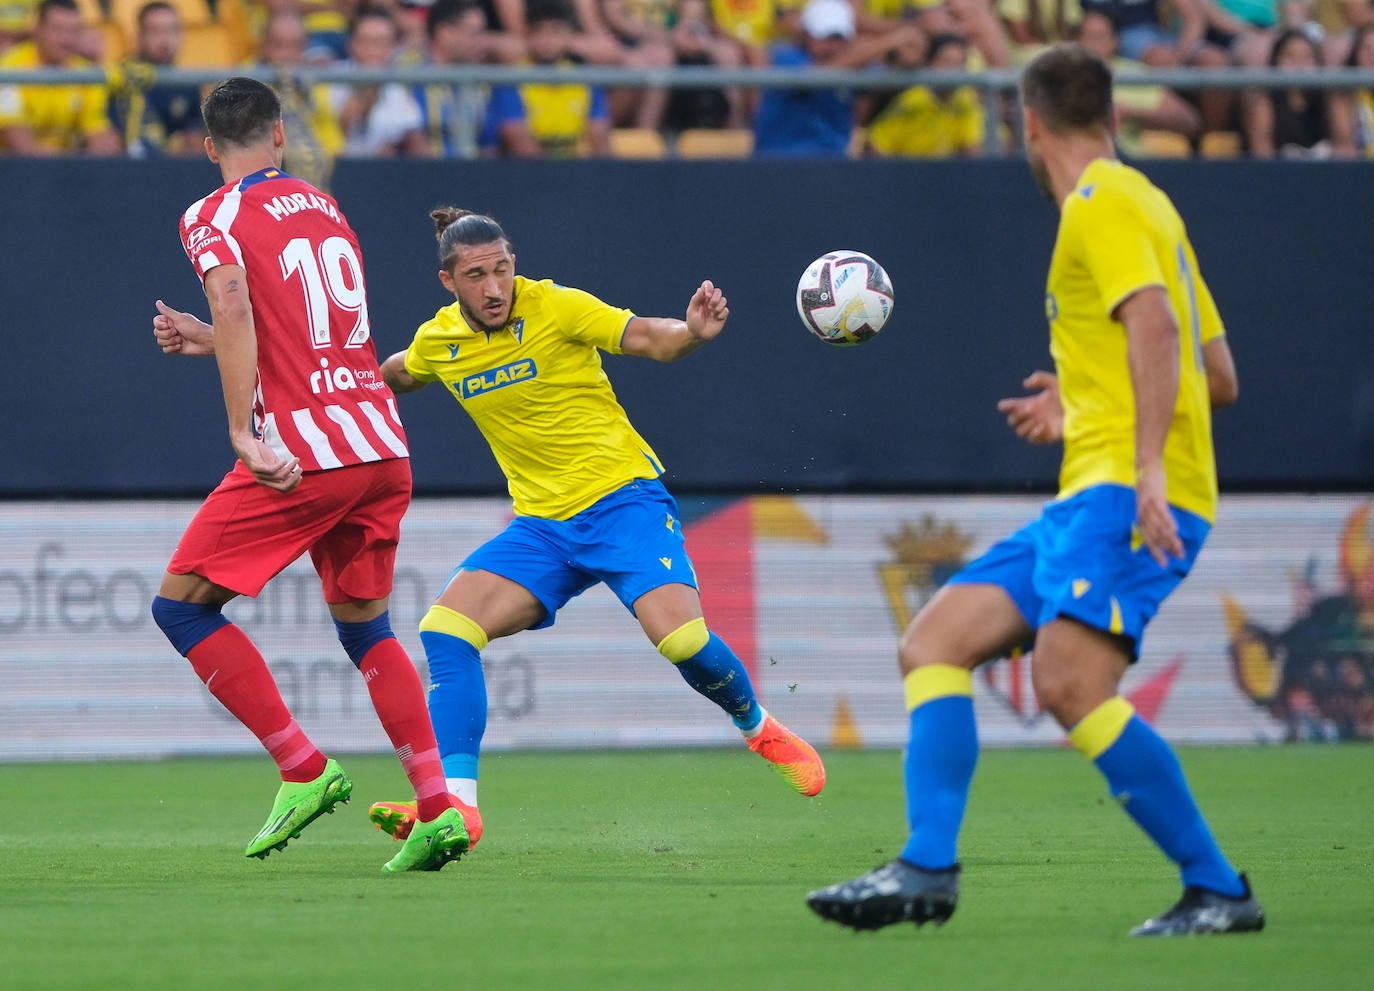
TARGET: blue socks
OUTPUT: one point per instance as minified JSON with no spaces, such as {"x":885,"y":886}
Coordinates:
{"x":707,"y":663}
{"x":941,"y":755}
{"x":457,"y":688}
{"x":1144,"y":775}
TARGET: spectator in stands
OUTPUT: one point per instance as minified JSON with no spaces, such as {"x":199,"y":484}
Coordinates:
{"x":156,"y":120}
{"x":973,"y":20}
{"x":1358,"y":106}
{"x":560,"y":120}
{"x":326,"y":26}
{"x":1142,"y":37}
{"x":643,"y":29}
{"x":754,"y":25}
{"x":1137,"y":107}
{"x":313,"y":135}
{"x":926,"y":121}
{"x":1296,"y":123}
{"x":1247,"y":28}
{"x":1034,"y":24}
{"x":454,"y":114}
{"x":378,"y":119}
{"x":820,"y":123}
{"x":696,"y":42}
{"x":61,"y":119}
{"x":17,"y":18}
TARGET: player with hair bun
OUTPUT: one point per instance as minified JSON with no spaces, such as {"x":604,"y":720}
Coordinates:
{"x":522,"y":359}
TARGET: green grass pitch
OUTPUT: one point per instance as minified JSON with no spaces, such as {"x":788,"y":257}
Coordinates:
{"x":658,"y":869}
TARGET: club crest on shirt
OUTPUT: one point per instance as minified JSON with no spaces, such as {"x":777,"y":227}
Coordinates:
{"x":518,"y":329}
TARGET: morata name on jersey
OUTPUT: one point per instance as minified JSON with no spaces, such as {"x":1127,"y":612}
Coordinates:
{"x":284,"y":206}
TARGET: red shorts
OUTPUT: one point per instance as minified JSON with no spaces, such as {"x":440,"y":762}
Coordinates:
{"x":349,"y":519}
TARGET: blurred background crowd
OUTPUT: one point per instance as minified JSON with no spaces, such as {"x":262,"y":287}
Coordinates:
{"x":278,"y":39}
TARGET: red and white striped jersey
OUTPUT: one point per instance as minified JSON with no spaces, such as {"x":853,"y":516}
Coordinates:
{"x":320,"y":395}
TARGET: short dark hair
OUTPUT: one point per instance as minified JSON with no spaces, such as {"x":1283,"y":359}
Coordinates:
{"x":458,"y":228}
{"x":443,"y":12}
{"x":372,"y":12}
{"x":47,"y":5}
{"x":537,"y":11}
{"x":240,"y":112}
{"x":151,"y":8}
{"x":1069,"y":88}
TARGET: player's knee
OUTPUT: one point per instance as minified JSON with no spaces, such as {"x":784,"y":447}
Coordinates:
{"x":450,"y":622}
{"x":186,"y":624}
{"x":1059,"y":689}
{"x":359,"y":638}
{"x":922,"y":645}
{"x":686,"y":641}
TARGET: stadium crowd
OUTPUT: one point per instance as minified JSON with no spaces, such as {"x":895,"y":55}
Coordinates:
{"x":276,"y":39}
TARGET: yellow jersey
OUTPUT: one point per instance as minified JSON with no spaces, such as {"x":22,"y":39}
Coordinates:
{"x":921,"y":123}
{"x":1118,"y":234}
{"x":538,"y":394}
{"x":61,"y":117}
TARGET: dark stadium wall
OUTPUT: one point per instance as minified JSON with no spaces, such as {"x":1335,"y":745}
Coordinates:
{"x":85,"y":248}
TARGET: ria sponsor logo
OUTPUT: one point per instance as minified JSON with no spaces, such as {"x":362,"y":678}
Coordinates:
{"x":339,"y":379}
{"x":498,"y":378}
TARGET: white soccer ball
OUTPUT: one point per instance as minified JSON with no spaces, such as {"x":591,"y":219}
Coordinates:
{"x":844,"y":298}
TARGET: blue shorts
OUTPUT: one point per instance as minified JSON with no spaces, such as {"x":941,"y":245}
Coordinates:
{"x":630,"y":539}
{"x":1137,"y":39}
{"x":1078,"y":561}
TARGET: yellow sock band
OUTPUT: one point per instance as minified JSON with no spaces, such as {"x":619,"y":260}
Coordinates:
{"x":686,"y":641}
{"x":1100,"y":728}
{"x":441,"y":619}
{"x":935,"y":681}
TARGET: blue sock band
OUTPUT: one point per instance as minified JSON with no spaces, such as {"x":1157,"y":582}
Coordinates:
{"x":1145,"y":777}
{"x":457,"y":701}
{"x":941,"y":755}
{"x":186,"y":623}
{"x":359,"y":638}
{"x":715,"y":672}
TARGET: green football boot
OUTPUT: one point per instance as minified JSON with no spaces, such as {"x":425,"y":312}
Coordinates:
{"x":298,"y":804}
{"x":431,"y":845}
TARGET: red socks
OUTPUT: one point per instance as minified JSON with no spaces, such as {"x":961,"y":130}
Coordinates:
{"x":236,"y":674}
{"x":399,"y":699}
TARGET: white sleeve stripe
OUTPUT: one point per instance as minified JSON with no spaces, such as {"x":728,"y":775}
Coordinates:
{"x":384,"y":431}
{"x":224,"y":218}
{"x":316,"y":439}
{"x":352,"y":434}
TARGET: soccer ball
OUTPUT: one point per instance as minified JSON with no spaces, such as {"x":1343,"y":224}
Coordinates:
{"x":844,"y":298}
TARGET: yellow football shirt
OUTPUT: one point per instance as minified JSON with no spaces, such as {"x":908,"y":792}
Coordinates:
{"x":1118,"y":234}
{"x":538,"y":394}
{"x":920,"y":123}
{"x":61,"y":117}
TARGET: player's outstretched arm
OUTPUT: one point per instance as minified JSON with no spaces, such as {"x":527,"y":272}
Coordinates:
{"x":1037,"y":418}
{"x":178,"y":332}
{"x":666,"y":339}
{"x":394,"y":374}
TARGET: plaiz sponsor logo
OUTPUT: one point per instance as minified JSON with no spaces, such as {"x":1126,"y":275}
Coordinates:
{"x":480,"y":383}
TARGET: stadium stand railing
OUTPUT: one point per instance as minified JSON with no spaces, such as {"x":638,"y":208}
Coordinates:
{"x":996,"y":86}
